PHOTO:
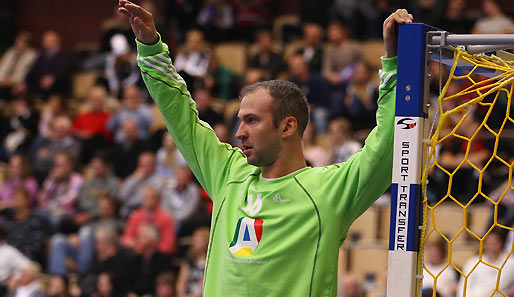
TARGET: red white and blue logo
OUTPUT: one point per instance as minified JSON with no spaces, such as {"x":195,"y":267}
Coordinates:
{"x":246,"y":237}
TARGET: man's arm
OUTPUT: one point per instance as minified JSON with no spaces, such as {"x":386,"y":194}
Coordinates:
{"x":367,"y":174}
{"x":208,"y":158}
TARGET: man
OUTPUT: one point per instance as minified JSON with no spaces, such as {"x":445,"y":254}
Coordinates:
{"x":131,"y":191}
{"x":150,"y":212}
{"x":277,"y":225}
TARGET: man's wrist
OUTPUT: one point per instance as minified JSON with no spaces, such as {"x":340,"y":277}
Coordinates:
{"x":149,"y":49}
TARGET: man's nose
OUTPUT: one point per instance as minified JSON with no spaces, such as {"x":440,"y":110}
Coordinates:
{"x":241,"y":132}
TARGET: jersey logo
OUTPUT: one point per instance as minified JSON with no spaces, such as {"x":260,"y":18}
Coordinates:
{"x":278,"y":199}
{"x":254,"y":207}
{"x":246,"y":237}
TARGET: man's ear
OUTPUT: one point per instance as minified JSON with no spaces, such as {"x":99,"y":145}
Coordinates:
{"x":290,"y":125}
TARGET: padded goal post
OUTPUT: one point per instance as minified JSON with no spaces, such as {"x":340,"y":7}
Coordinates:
{"x":411,"y":112}
{"x":414,"y":152}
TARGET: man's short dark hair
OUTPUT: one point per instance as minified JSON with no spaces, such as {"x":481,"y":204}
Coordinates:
{"x":290,"y":99}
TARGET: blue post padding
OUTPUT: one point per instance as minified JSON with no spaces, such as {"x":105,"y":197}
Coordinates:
{"x":411,"y":69}
{"x":414,"y":209}
{"x":413,"y":232}
{"x":392,"y":218}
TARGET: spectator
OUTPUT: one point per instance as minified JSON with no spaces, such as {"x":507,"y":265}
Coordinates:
{"x":190,"y":277}
{"x":124,"y":155}
{"x":221,"y":81}
{"x":60,"y":193}
{"x":28,"y":285}
{"x":57,"y":287}
{"x":149,"y":262}
{"x":505,"y":208}
{"x":49,"y":74}
{"x":168,"y":158}
{"x":105,"y":286}
{"x":53,"y":108}
{"x":435,"y":261}
{"x":15,"y":65}
{"x":60,"y":140}
{"x":342,"y":144}
{"x":121,"y":65}
{"x":18,"y":176}
{"x":312,"y":51}
{"x":266,"y":58}
{"x":131,"y":191}
{"x":165,"y":285}
{"x":150,"y":212}
{"x":118,"y":24}
{"x":428,"y":11}
{"x":206,"y":113}
{"x":315,"y":87}
{"x":24,"y":230}
{"x":181,"y":198}
{"x":192,"y":63}
{"x":360,"y":103}
{"x":215,"y":19}
{"x":100,"y":183}
{"x":22,"y":126}
{"x":452,"y":153}
{"x":314,"y":153}
{"x":482,"y":279}
{"x":110,"y":259}
{"x":80,"y":247}
{"x":132,"y":107}
{"x":495,"y":21}
{"x":11,"y":262}
{"x":90,"y":126}
{"x":457,"y":19}
{"x":222,"y":132}
{"x":340,"y":53}
{"x":351,"y":287}
{"x":250,"y":16}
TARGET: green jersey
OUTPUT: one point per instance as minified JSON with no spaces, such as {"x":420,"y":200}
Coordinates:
{"x":272,"y":237}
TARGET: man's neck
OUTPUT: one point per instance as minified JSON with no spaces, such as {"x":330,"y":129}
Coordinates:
{"x":290,"y":160}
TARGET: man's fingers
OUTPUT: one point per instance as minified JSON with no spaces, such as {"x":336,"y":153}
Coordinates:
{"x":136,"y":9}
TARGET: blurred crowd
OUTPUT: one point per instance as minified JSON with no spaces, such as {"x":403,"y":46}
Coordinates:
{"x":95,"y":198}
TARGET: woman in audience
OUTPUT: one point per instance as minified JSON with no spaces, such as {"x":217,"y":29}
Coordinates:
{"x":314,"y":153}
{"x":190,"y":278}
{"x":495,"y":20}
{"x":18,"y":176}
{"x":435,"y":263}
{"x":192,"y":63}
{"x":57,"y":287}
{"x":168,"y":158}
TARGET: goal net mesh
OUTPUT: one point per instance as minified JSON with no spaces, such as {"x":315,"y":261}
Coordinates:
{"x":468,"y":167}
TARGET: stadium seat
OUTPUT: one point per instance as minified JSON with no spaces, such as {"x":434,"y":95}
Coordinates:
{"x":372,"y":51}
{"x":461,"y":253}
{"x":369,"y":260}
{"x":480,"y":215}
{"x":82,"y":82}
{"x":232,"y":55}
{"x":365,"y":227}
{"x":449,"y":221}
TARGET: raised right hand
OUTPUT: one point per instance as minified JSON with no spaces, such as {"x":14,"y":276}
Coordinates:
{"x":141,"y":21}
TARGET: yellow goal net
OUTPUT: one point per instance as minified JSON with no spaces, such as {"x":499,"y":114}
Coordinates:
{"x":467,"y":179}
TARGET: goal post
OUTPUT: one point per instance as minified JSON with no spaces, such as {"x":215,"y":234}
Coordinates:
{"x":411,"y":112}
{"x":418,"y":44}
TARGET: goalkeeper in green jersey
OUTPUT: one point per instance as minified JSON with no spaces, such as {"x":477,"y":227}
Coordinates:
{"x":277,"y":224}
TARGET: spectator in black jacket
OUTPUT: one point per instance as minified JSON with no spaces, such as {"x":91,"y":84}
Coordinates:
{"x":149,"y":262}
{"x":49,"y":74}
